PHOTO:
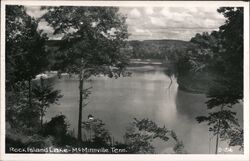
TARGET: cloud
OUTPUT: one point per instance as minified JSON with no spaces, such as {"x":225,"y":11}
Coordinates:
{"x":165,"y":12}
{"x":171,"y":22}
{"x":158,"y":22}
{"x":177,"y":14}
{"x":34,"y":11}
{"x":135,"y":13}
{"x":149,"y":10}
{"x":45,"y":28}
{"x":139,"y":30}
{"x":43,"y":25}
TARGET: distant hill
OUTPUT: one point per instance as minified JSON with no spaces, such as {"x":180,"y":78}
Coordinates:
{"x":163,"y":42}
{"x":146,"y":49}
{"x":158,"y":48}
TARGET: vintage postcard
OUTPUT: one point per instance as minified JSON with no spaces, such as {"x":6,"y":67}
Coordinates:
{"x":124,"y":80}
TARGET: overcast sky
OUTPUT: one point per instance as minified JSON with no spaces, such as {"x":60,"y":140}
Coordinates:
{"x":160,"y":22}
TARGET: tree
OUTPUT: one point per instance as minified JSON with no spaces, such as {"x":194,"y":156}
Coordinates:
{"x":220,"y":123}
{"x":229,"y":62}
{"x":227,"y":87}
{"x":44,"y":95}
{"x":93,"y":38}
{"x":141,"y":133}
{"x":235,"y":136}
{"x":58,"y":128}
{"x":25,"y":52}
{"x":99,"y":135}
{"x":18,"y":113}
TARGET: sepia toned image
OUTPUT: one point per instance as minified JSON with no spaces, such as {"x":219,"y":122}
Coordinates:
{"x":122,"y":79}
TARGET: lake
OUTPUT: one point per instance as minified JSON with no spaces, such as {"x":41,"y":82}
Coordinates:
{"x":146,"y":94}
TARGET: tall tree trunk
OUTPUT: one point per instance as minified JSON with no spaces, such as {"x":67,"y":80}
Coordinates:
{"x":79,"y":136}
{"x":217,"y":138}
{"x":218,"y":133}
{"x":41,"y":120}
{"x":42,"y":103}
{"x":29,"y":99}
{"x":29,"y":93}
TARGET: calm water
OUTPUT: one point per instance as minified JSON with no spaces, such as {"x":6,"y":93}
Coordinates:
{"x":146,"y":94}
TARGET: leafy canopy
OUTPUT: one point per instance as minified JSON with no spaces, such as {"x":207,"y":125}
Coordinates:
{"x":92,"y":39}
{"x":25,"y":52}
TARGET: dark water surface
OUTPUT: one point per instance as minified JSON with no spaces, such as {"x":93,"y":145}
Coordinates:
{"x":146,"y":94}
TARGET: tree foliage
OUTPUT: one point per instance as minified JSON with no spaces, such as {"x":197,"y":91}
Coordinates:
{"x":229,"y":62}
{"x":25,"y":52}
{"x":18,"y":113}
{"x":44,"y":95}
{"x":26,"y":57}
{"x":93,"y":38}
{"x":235,"y":136}
{"x":57,"y":127}
{"x":226,"y":63}
{"x":100,"y":136}
{"x":227,"y":120}
{"x":140,"y":135}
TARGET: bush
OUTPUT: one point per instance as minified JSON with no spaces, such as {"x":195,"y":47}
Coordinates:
{"x":57,"y":128}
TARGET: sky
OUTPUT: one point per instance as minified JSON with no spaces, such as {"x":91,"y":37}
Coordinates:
{"x":147,"y":23}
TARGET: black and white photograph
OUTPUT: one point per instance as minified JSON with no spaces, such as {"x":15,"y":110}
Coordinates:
{"x":124,"y":78}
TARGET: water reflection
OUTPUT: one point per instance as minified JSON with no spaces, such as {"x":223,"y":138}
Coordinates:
{"x":146,"y":94}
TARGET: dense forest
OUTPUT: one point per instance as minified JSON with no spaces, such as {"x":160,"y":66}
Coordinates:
{"x":211,"y":63}
{"x":158,"y":49}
